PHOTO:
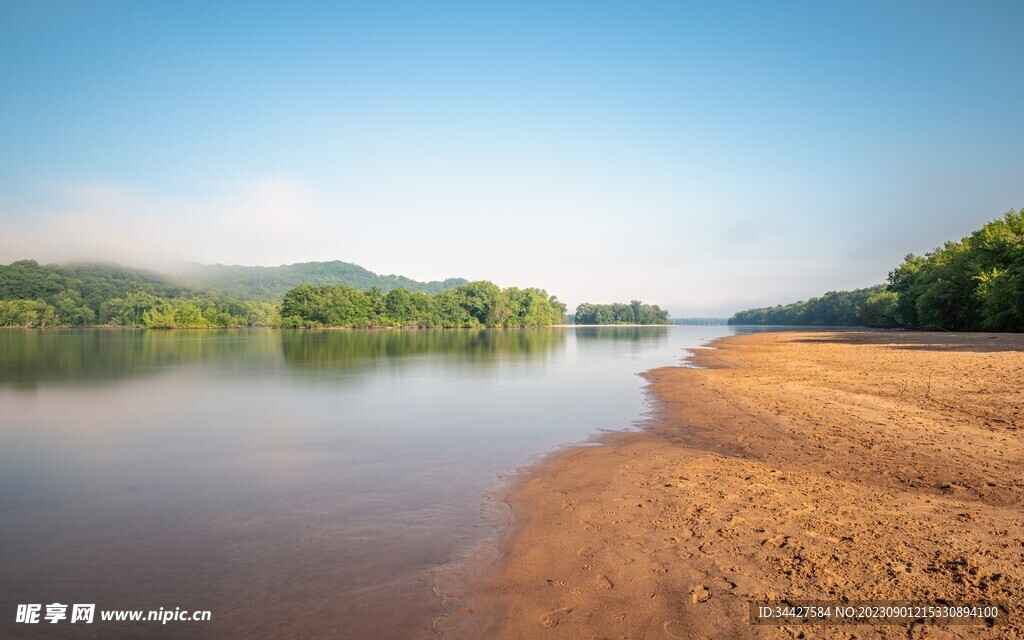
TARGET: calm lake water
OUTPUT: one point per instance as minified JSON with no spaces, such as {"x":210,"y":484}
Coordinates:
{"x":294,"y":483}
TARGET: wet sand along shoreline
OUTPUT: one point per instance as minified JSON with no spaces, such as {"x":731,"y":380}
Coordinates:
{"x":824,"y":465}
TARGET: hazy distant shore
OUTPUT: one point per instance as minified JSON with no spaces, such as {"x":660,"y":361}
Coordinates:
{"x":613,"y":325}
{"x":862,"y":466}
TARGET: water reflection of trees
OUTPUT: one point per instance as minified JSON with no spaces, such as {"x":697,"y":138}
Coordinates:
{"x":344,"y":350}
{"x":31,"y":358}
{"x":653,"y":335}
{"x":83,"y":356}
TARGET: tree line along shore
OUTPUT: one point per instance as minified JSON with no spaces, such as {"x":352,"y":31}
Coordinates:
{"x":34,"y":295}
{"x":975,"y":284}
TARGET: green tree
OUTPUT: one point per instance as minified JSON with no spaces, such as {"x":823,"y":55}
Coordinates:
{"x":617,"y":313}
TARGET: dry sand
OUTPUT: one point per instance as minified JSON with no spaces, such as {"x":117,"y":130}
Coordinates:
{"x":839,"y":465}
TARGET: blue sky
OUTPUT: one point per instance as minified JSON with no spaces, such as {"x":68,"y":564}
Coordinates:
{"x":705,"y":156}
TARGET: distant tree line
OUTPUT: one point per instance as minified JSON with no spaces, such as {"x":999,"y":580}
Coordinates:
{"x":700,"y":321}
{"x":475,"y":304}
{"x":975,"y":284}
{"x":834,"y":309}
{"x":34,"y":295}
{"x":618,"y":313}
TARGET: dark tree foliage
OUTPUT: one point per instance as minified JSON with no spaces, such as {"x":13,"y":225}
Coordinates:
{"x":975,"y":284}
{"x":474,"y":304}
{"x":618,"y":313}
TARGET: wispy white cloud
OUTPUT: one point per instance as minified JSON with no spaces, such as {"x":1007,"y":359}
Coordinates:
{"x":262,"y":218}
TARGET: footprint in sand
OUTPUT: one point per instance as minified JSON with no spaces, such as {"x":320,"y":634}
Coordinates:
{"x":552,"y":618}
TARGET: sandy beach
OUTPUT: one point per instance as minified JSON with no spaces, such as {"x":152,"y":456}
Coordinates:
{"x":858,"y":466}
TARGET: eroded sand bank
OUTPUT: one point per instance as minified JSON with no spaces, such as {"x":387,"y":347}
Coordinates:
{"x":856,"y":465}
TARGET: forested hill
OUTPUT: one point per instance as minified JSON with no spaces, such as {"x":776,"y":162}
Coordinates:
{"x":33,"y":295}
{"x":271,"y":283}
{"x":974,"y":284}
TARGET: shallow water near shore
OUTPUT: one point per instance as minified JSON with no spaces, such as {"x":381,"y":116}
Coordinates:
{"x":293,"y":483}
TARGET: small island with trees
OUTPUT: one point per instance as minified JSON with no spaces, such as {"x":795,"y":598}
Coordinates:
{"x":475,"y":304}
{"x":622,"y":314}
